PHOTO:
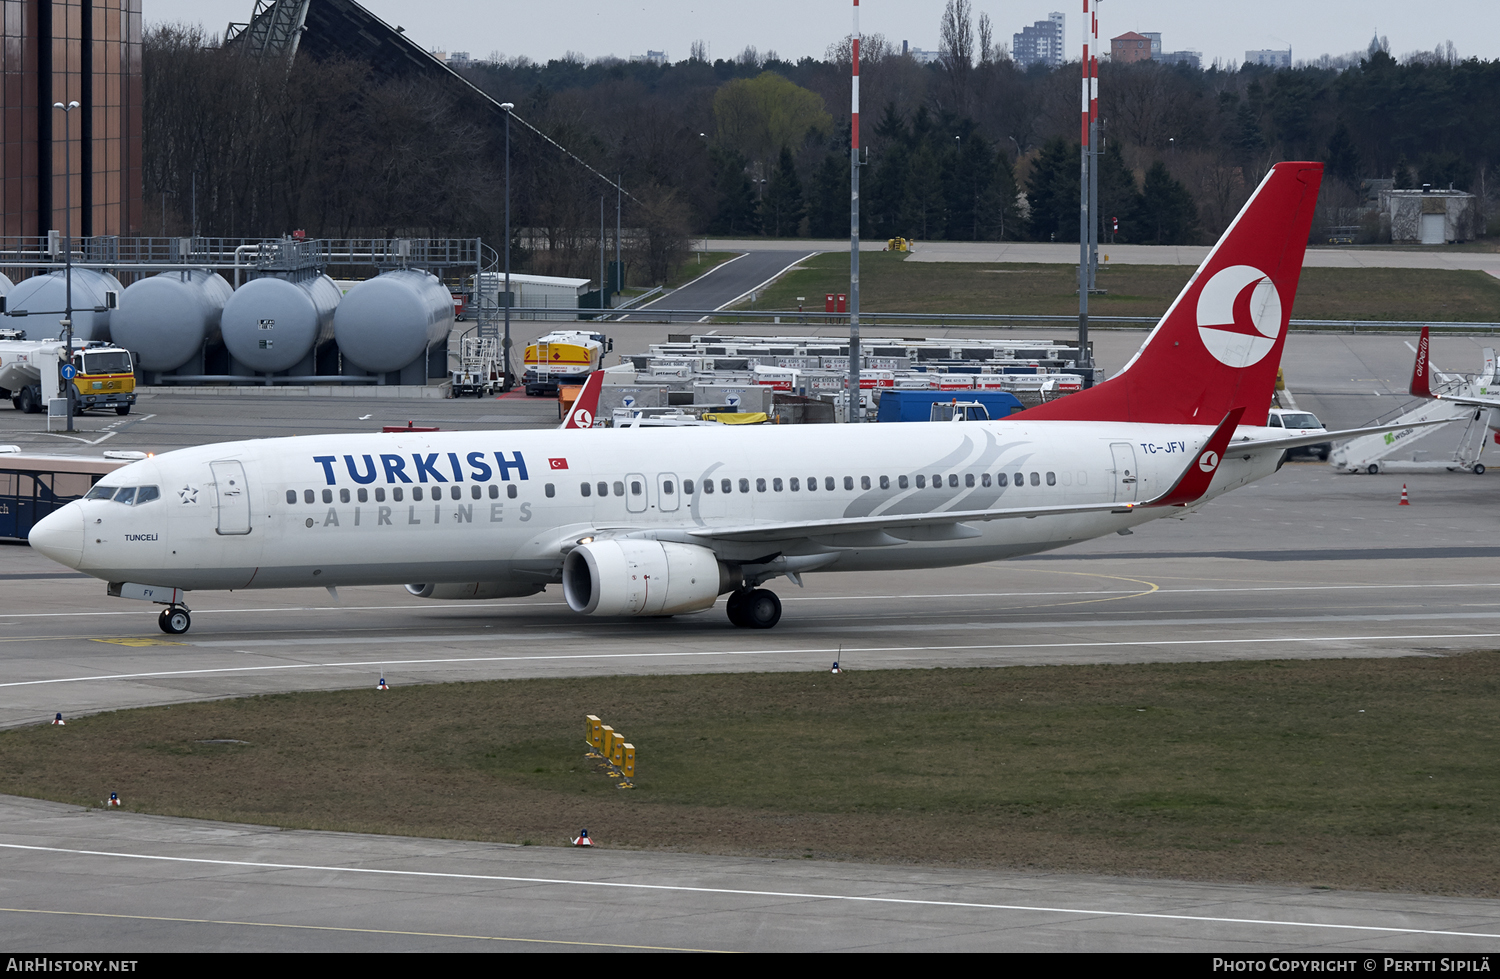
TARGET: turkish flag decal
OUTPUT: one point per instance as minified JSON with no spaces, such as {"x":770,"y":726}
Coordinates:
{"x":558,"y":463}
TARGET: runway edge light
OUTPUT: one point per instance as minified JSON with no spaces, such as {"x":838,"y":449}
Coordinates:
{"x":382,"y":685}
{"x":114,"y":799}
{"x":582,"y":839}
{"x":58,"y":720}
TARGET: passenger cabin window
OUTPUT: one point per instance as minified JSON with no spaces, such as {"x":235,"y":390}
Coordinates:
{"x":828,"y":482}
{"x":1052,"y":479}
{"x":550,"y":490}
{"x":364,"y":494}
{"x":328,"y":496}
{"x":902,"y":482}
{"x":343,"y":496}
{"x":380,"y":494}
{"x":795,"y":484}
{"x":291,"y":495}
{"x":921,"y":482}
{"x":396,"y":494}
{"x":667,"y":487}
{"x":812,"y":484}
{"x":760,"y":486}
{"x":708,"y":486}
{"x":984,"y":479}
{"x":776,"y":484}
{"x":848,"y":482}
{"x":585,"y":489}
{"x":864,"y":482}
{"x":969,"y":480}
{"x":416,"y":493}
{"x":307,"y":496}
{"x":510,"y":491}
{"x":603,"y":488}
{"x":744,"y":485}
{"x":885,"y":482}
{"x":687,"y":487}
{"x":454,"y":493}
{"x":635,"y":487}
{"x":1036,"y":479}
{"x":494,"y":492}
{"x":726,"y":486}
{"x":953,"y":481}
{"x":1001,"y":479}
{"x":619,"y":487}
{"x":1020,"y":479}
{"x":474,"y":491}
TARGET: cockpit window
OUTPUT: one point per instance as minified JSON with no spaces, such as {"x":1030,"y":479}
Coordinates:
{"x":128,"y":495}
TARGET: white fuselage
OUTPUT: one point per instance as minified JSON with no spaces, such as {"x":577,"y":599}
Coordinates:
{"x":506,"y":506}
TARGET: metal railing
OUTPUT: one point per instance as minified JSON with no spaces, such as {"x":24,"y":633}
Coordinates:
{"x":784,"y":317}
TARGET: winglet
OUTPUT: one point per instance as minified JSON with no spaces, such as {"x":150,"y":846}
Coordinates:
{"x":1421,"y":370}
{"x":586,"y":408}
{"x":1194,"y":481}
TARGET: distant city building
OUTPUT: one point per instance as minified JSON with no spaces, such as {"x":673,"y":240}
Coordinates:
{"x":917,"y":54}
{"x":1146,"y":46}
{"x":1129,"y":47}
{"x":1041,"y":43}
{"x":1270,"y":57}
{"x":459,"y":59}
{"x":650,"y":58}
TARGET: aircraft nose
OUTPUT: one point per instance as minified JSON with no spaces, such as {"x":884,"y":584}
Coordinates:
{"x":59,"y":535}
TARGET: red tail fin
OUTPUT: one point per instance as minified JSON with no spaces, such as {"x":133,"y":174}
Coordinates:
{"x":1421,"y":370}
{"x":1220,"y":343}
{"x":587,"y":405}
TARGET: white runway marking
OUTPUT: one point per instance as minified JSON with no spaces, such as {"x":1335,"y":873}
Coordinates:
{"x":738,"y":892}
{"x":791,"y":598}
{"x":821,"y":651}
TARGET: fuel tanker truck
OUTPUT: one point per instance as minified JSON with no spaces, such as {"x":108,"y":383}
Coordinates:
{"x":103,"y":374}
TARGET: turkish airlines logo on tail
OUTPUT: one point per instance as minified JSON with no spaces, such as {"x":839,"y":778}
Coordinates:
{"x":1239,"y":315}
{"x":1208,"y":461}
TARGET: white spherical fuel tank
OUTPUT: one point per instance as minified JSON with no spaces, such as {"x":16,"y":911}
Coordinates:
{"x":270,"y":324}
{"x":166,"y":318}
{"x":43,"y":297}
{"x":387,"y":322}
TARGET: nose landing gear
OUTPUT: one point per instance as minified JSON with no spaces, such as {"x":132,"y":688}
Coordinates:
{"x":175,"y":620}
{"x":753,"y":608}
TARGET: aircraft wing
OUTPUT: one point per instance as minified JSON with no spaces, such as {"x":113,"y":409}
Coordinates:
{"x":1339,"y":436}
{"x":1189,"y":487}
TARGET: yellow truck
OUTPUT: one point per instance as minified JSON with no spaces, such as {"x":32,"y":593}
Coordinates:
{"x":103,"y":376}
{"x":563,"y":357}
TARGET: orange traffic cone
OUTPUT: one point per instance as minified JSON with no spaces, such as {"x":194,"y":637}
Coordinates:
{"x":1404,"y":500}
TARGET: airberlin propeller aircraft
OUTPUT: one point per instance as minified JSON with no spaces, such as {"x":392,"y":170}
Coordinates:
{"x":662,"y":521}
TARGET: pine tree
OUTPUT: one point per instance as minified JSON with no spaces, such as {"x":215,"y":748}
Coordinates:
{"x":1052,"y":192}
{"x":1168,"y":214}
{"x":783,"y":208}
{"x":828,"y":207}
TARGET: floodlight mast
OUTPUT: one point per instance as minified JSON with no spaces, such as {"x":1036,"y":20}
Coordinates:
{"x":853,"y":409}
{"x":67,"y":320}
{"x":508,"y":380}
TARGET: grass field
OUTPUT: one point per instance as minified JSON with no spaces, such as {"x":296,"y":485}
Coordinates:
{"x":889,"y":284}
{"x":1373,"y":773}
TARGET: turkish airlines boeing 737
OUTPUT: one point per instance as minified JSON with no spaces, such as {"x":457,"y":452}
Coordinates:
{"x":662,"y":521}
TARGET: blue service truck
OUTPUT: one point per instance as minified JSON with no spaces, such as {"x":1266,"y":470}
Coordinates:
{"x":916,"y":406}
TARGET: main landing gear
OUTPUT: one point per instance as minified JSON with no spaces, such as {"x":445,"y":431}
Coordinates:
{"x":174,"y":620}
{"x":754,"y":608}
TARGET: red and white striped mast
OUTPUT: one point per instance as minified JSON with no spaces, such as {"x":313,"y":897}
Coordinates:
{"x":1094,"y":152}
{"x":854,"y":410}
{"x":1084,"y":211}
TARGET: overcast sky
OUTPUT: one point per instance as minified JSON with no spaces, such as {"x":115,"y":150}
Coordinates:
{"x":793,"y":28}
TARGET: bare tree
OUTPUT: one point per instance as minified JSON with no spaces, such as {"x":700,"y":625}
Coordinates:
{"x":957,"y":54}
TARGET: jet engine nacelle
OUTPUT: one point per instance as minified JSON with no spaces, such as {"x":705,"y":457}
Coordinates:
{"x":477,"y":590}
{"x":642,"y":577}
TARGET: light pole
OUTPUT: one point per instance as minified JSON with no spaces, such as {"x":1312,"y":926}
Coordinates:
{"x":505,"y":343}
{"x":67,"y":320}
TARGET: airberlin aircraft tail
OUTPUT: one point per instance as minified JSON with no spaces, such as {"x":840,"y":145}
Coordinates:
{"x":1220,"y":343}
